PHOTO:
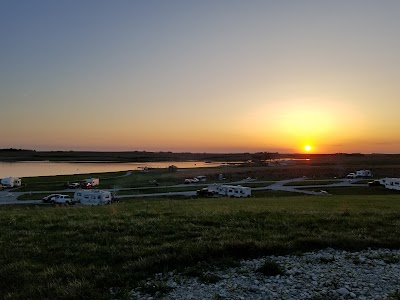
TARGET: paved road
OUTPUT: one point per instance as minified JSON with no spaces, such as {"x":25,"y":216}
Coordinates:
{"x":10,"y":197}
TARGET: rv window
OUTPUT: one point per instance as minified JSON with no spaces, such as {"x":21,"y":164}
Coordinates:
{"x":79,"y":194}
{"x":86,"y":197}
{"x":98,"y":197}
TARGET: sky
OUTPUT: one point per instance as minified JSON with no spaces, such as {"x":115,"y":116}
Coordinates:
{"x":200,"y":76}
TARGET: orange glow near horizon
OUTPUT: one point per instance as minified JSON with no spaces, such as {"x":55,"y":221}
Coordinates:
{"x":307,"y":148}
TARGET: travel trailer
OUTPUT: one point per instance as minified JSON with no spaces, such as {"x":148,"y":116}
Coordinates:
{"x":11,"y":182}
{"x":363,"y":173}
{"x":232,"y":191}
{"x":391,"y":183}
{"x":360,"y":174}
{"x":90,"y":197}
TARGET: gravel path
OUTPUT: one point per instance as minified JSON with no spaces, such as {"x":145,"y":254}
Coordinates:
{"x":326,"y":274}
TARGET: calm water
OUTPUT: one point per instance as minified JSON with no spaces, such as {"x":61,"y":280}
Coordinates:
{"x":45,"y":168}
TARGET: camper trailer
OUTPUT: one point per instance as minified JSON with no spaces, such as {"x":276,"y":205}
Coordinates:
{"x":363,"y":173}
{"x":391,"y":183}
{"x":232,"y":191}
{"x":92,"y":181}
{"x":89,"y":197}
{"x":11,"y":182}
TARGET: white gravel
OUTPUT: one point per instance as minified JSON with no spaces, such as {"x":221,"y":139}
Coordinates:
{"x":326,"y":274}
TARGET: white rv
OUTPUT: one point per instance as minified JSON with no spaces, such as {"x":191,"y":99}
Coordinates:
{"x":92,"y":181}
{"x":11,"y":182}
{"x":391,"y":183}
{"x":233,"y":191}
{"x":90,"y":197}
{"x":363,"y":173}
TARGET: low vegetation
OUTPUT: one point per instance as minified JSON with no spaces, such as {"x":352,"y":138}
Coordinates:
{"x":271,"y":268}
{"x":312,"y":182}
{"x":359,"y":190}
{"x":82,"y":252}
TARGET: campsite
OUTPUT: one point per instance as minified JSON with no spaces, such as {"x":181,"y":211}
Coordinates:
{"x":80,"y":251}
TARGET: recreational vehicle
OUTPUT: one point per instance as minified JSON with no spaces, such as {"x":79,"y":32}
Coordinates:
{"x":391,"y":183}
{"x":363,"y":173}
{"x":89,"y":197}
{"x":233,"y":191}
{"x":11,"y":182}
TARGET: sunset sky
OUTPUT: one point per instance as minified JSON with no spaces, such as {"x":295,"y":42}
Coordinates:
{"x":200,"y":76}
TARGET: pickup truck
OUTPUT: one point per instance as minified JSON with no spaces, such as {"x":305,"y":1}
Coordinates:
{"x":50,"y":198}
{"x":204,"y":192}
{"x":64,"y":199}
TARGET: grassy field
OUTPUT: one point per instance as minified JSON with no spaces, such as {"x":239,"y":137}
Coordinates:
{"x":359,"y":190}
{"x":311,"y":182}
{"x":81,"y":252}
{"x":57,"y":183}
{"x":107,"y":180}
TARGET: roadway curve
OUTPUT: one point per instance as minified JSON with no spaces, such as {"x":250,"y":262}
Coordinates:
{"x":10,"y":196}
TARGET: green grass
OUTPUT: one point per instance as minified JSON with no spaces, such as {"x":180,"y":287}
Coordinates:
{"x":360,"y":190}
{"x":159,"y":190}
{"x":81,"y":252}
{"x":108,"y":180}
{"x":312,"y":182}
{"x":272,"y":193}
{"x":54,"y":183}
{"x":257,"y":184}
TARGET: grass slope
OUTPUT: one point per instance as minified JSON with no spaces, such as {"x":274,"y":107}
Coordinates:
{"x":81,"y":252}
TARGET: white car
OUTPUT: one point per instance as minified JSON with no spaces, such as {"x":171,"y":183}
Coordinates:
{"x":50,"y":198}
{"x":74,"y":185}
{"x":63,"y":199}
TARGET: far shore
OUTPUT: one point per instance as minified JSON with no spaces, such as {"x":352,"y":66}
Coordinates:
{"x":16,"y":155}
{"x":13,"y":155}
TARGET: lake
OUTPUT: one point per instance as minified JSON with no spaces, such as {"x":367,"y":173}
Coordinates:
{"x":46,"y":168}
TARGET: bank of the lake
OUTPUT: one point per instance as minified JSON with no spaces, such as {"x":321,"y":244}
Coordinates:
{"x":47,"y":168}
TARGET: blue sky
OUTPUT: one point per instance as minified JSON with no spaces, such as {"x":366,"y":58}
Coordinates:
{"x":200,"y":76}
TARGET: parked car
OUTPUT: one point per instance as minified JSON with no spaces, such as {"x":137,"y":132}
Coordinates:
{"x":74,"y":185}
{"x":375,"y":183}
{"x":204,"y":192}
{"x":50,"y":198}
{"x":64,"y":199}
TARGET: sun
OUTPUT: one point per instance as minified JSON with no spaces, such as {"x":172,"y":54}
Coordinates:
{"x":307,"y":148}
